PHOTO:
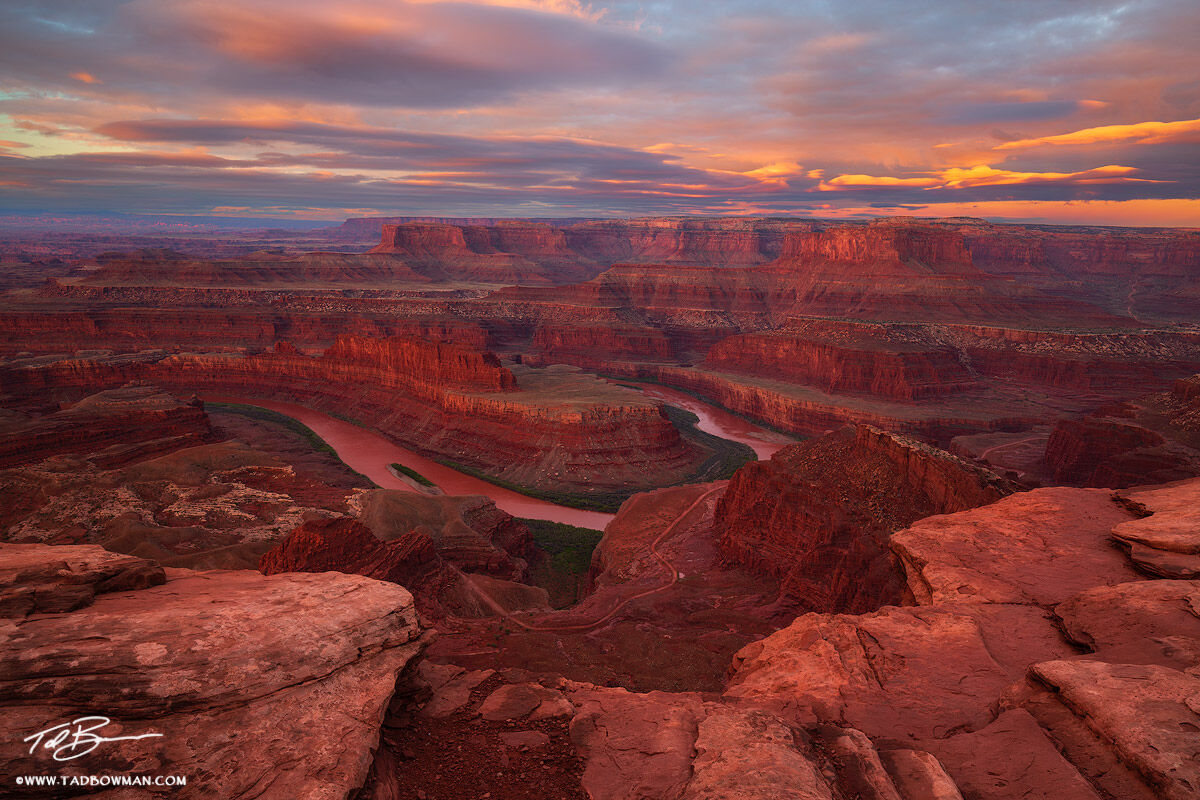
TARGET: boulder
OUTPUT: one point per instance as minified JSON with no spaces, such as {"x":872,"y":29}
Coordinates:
{"x":251,"y":686}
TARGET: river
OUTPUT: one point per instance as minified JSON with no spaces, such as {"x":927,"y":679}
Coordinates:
{"x":718,"y":421}
{"x":369,"y":453}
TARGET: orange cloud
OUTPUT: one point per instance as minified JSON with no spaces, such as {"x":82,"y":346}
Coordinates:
{"x":85,"y":77}
{"x":843,"y":181}
{"x":1140,"y":132}
{"x":780,"y":169}
{"x":981,"y":175}
{"x":957,"y":177}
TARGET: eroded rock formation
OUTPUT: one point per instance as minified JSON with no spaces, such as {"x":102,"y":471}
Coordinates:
{"x":818,"y":514}
{"x":1107,"y":452}
{"x":101,"y":425}
{"x":557,"y":429}
{"x":287,"y":677}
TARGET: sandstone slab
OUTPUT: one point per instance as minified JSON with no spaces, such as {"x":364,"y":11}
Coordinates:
{"x":1151,"y":714}
{"x":861,"y":769}
{"x":36,"y":579}
{"x":749,"y":755}
{"x":920,"y":776}
{"x":1174,"y":521}
{"x":515,"y":701}
{"x":1011,"y":759}
{"x":908,"y":674}
{"x":1144,"y":622}
{"x":1040,"y":547}
{"x":452,"y":687}
{"x":1164,"y":563}
{"x":265,"y":687}
{"x":636,"y":746}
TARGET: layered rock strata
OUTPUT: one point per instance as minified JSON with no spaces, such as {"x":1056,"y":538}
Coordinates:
{"x":558,"y":430}
{"x":101,"y":425}
{"x":250,"y":686}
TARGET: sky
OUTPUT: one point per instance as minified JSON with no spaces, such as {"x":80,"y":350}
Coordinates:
{"x":1071,"y":111}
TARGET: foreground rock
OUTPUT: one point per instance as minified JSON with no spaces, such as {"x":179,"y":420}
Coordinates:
{"x":1035,"y":547}
{"x":1166,"y":541}
{"x":1038,"y":663}
{"x":265,"y":687}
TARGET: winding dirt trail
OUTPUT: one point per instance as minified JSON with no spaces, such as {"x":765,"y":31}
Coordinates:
{"x":1006,"y":445}
{"x":587,"y":626}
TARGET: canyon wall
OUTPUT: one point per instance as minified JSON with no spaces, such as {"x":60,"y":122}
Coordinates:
{"x":102,"y":425}
{"x":802,"y":410}
{"x":1100,"y":451}
{"x":58,"y":331}
{"x":818,"y":514}
{"x":908,"y":373}
{"x":883,"y":247}
{"x":252,"y":686}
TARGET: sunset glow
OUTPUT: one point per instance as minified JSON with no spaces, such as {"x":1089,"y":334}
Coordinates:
{"x":1057,"y":111}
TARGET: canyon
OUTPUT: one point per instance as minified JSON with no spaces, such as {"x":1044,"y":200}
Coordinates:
{"x":656,"y":508}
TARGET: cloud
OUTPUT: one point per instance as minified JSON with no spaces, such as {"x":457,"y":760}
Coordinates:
{"x":495,"y":106}
{"x":982,"y":175}
{"x":397,"y":54}
{"x":1139,"y":132}
{"x":833,"y":184}
{"x":992,"y":112}
{"x":989,"y":176}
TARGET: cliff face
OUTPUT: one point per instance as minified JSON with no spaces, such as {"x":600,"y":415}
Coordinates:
{"x":1146,"y":273}
{"x":1105,"y":452}
{"x":340,"y":544}
{"x":514,"y":252}
{"x":138,"y":328}
{"x":886,"y":272}
{"x":799,"y":409}
{"x":590,"y":245}
{"x":902,"y":373}
{"x":1012,"y":249}
{"x":818,"y":514}
{"x":881,"y":248}
{"x":116,"y":426}
{"x":404,"y":362}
